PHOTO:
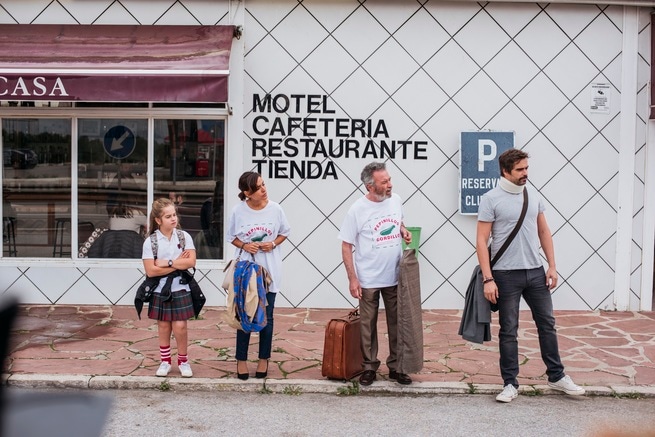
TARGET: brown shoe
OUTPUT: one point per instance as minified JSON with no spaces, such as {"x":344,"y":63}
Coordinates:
{"x":367,"y":377}
{"x":400,"y":378}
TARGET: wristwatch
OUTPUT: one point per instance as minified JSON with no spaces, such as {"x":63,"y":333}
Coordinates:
{"x":170,"y":263}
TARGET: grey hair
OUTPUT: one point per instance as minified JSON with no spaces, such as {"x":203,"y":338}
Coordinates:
{"x":367,"y":173}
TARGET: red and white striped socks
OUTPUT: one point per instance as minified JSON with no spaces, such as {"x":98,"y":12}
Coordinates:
{"x":165,"y":353}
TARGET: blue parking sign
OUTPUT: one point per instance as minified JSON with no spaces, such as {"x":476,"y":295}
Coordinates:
{"x":479,"y":170}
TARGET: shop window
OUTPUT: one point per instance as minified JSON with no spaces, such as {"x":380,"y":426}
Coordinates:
{"x":189,"y":169}
{"x":112,"y":184}
{"x":112,"y":187}
{"x":36,"y":187}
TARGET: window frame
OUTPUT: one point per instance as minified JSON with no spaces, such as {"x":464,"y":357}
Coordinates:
{"x":150,"y":114}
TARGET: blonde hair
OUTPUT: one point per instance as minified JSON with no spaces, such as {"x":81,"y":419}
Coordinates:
{"x":157,"y":211}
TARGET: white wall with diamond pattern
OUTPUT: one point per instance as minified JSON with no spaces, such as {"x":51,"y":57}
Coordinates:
{"x":430,"y":70}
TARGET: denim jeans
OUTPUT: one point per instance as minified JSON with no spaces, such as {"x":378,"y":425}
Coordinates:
{"x":531,"y":284}
{"x":265,"y":335}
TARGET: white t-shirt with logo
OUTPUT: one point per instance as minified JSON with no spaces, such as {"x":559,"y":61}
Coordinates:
{"x":264,"y":225}
{"x":374,"y":229}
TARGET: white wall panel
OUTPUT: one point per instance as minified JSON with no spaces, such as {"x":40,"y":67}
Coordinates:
{"x":430,"y":72}
{"x":537,"y":84}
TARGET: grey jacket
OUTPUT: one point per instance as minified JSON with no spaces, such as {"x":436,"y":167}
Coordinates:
{"x":476,"y":317}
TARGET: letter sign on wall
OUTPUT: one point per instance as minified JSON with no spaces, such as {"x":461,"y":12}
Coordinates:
{"x":478,"y":169}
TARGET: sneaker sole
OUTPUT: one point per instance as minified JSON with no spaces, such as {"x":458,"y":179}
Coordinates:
{"x":568,"y":392}
{"x":505,"y":400}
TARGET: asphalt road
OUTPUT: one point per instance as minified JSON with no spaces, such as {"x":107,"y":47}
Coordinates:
{"x":213,"y":413}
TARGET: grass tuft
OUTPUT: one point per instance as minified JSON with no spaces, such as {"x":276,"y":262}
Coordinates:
{"x":351,"y":390}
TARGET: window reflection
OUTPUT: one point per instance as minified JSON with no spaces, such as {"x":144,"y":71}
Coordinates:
{"x":112,"y":187}
{"x":36,"y":187}
{"x":189,"y":169}
{"x":112,"y":184}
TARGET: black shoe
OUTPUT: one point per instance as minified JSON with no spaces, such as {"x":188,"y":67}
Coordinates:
{"x":367,"y":377}
{"x":262,"y":374}
{"x":242,"y":376}
{"x":401,"y":378}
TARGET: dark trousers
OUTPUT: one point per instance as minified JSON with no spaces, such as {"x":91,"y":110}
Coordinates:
{"x":531,"y":284}
{"x":265,"y":335}
{"x":369,"y":306}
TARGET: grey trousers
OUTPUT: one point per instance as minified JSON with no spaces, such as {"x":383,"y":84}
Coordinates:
{"x":369,"y":306}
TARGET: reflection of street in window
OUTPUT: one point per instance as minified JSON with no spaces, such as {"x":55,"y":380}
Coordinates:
{"x":19,"y":158}
{"x":38,"y":199}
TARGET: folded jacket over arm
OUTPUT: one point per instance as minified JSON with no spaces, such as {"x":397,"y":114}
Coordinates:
{"x":476,"y":317}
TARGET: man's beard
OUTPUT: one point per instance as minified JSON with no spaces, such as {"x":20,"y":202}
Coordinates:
{"x":381,"y":196}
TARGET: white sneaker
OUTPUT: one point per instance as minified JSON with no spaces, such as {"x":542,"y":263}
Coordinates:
{"x":567,"y":386}
{"x":185,"y":370}
{"x":508,"y":394}
{"x":163,"y":369}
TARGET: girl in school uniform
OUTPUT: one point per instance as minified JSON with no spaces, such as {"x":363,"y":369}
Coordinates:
{"x":171,"y":310}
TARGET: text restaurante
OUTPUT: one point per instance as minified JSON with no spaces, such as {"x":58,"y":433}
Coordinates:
{"x":317,"y":140}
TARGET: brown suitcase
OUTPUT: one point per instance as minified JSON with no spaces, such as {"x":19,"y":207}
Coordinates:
{"x":342,"y":354}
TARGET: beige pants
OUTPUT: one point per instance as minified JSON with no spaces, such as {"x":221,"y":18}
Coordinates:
{"x":369,"y":306}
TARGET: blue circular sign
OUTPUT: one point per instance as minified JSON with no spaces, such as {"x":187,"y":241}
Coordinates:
{"x":119,"y":142}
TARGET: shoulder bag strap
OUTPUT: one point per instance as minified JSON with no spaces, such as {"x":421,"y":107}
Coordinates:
{"x":181,"y":238}
{"x":515,"y":231}
{"x":154,"y":243}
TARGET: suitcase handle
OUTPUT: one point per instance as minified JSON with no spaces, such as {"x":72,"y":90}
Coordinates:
{"x":353,"y":314}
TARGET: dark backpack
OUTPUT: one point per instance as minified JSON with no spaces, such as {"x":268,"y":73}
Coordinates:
{"x":155,"y":244}
{"x":145,"y":290}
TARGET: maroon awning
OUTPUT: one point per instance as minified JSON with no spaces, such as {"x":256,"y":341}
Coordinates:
{"x":114,"y":63}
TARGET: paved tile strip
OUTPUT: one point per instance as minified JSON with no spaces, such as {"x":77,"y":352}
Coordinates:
{"x":107,"y":346}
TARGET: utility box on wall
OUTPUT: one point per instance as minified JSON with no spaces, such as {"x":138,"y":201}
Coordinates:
{"x":479,"y":170}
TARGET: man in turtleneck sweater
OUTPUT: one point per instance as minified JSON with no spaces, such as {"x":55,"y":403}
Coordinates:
{"x":519,"y":272}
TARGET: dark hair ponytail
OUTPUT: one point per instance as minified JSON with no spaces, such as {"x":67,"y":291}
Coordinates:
{"x":248,"y":183}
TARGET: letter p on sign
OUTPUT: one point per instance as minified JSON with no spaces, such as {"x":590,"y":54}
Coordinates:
{"x":478,"y":161}
{"x":486,"y":152}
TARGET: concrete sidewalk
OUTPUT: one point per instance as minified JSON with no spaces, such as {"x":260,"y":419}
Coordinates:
{"x":610,"y":353}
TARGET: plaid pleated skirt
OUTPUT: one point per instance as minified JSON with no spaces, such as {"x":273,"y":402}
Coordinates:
{"x":179,"y":307}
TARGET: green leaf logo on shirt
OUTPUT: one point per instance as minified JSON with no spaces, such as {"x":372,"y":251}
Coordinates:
{"x":258,"y":238}
{"x":388,"y":230}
